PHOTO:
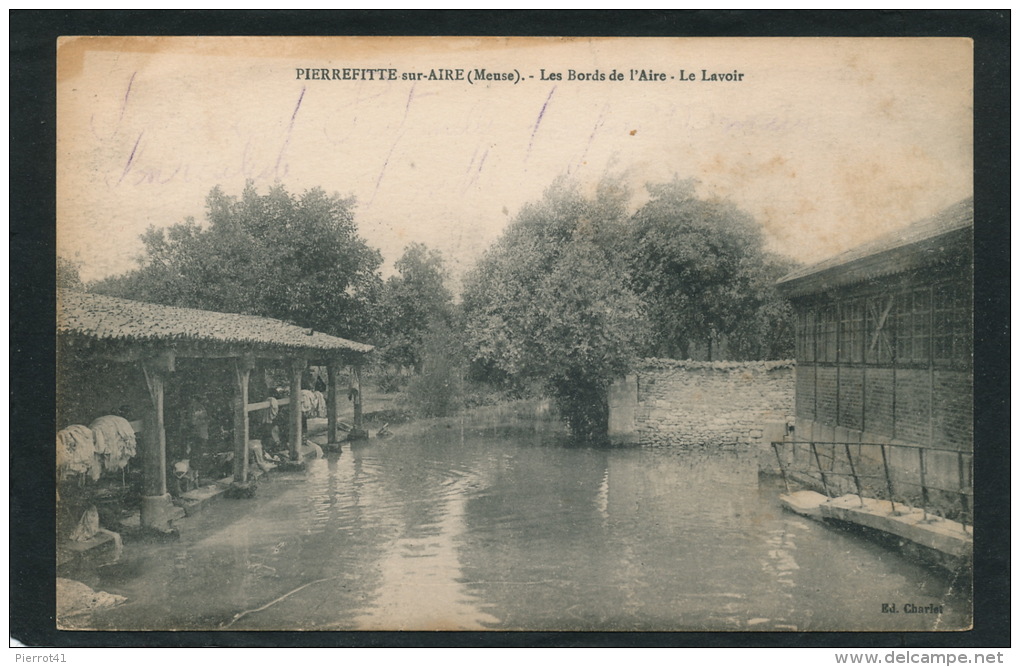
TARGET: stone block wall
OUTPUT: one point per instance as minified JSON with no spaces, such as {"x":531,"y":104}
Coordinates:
{"x":703,"y":402}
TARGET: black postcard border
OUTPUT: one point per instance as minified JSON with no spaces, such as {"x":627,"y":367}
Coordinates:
{"x":33,"y":36}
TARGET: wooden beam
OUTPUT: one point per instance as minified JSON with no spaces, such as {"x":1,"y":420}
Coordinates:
{"x":212,"y":351}
{"x":262,"y":405}
{"x":125,"y":351}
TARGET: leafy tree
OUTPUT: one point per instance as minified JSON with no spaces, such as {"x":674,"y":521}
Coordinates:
{"x":766,"y":330}
{"x":700,"y":267}
{"x":438,"y":389}
{"x":550,"y":301}
{"x":68,"y":276}
{"x":298,"y":259}
{"x":412,"y":302}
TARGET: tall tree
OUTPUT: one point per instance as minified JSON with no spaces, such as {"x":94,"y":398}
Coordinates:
{"x":550,"y":301}
{"x":701,"y":268}
{"x":413,"y":301}
{"x":298,"y":259}
{"x":438,"y":390}
{"x":766,"y":330}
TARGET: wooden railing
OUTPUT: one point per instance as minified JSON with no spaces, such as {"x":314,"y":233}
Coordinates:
{"x":138,"y":425}
{"x":831,"y":452}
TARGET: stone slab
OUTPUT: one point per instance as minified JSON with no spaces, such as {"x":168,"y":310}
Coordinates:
{"x":102,"y":537}
{"x":805,"y":503}
{"x":104,"y":548}
{"x":195,"y":500}
{"x":943,"y":535}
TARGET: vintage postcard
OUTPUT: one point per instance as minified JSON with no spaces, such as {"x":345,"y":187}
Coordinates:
{"x":523,"y":333}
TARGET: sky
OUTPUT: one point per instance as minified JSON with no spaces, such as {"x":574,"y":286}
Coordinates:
{"x":826,"y":142}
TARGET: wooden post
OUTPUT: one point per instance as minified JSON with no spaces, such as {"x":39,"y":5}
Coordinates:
{"x":156,"y":505}
{"x":154,"y":458}
{"x":242,"y":371}
{"x":297,"y":367}
{"x":332,"y":403}
{"x":888,"y":481}
{"x":853,"y":471}
{"x":154,"y":454}
{"x":821,"y":471}
{"x":358,"y":431}
{"x":358,"y":420}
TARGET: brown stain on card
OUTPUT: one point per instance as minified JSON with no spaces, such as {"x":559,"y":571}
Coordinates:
{"x":741,"y":172}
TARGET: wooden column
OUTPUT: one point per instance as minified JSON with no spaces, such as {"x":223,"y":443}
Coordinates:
{"x":358,"y":431}
{"x":154,"y":455}
{"x":332,"y":403}
{"x":297,"y":367}
{"x":156,"y":509}
{"x":358,"y":420}
{"x":242,"y":371}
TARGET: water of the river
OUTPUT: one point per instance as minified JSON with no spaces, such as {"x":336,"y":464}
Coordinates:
{"x":496,"y":524}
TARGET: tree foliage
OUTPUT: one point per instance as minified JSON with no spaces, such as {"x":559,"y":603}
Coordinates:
{"x":570,"y":290}
{"x":550,"y":301}
{"x":412,"y":302}
{"x":438,"y":389}
{"x":294,"y":258}
{"x":701,"y":269}
{"x":68,"y":276}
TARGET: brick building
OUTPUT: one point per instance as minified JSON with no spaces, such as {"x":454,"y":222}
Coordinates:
{"x":884,"y":350}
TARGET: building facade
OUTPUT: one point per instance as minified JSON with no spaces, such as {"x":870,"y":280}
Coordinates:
{"x":884,"y":353}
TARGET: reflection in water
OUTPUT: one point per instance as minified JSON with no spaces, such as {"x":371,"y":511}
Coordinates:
{"x":497,"y":525}
{"x":421,"y":585}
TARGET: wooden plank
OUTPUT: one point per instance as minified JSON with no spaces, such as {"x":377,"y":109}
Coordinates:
{"x":254,"y":407}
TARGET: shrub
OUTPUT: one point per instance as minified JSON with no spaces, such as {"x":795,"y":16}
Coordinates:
{"x":391,"y":383}
{"x":439,"y":390}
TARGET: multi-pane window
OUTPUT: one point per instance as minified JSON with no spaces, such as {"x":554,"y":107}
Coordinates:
{"x":878,"y":329}
{"x":951,"y":335}
{"x":827,"y":332}
{"x":912,"y":326}
{"x":851,"y":332}
{"x":806,"y":335}
{"x":799,"y":341}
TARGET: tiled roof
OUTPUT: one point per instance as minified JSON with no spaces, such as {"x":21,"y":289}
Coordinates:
{"x":956,"y":217}
{"x":108,"y":318}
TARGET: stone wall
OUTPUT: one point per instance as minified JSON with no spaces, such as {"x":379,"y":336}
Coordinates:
{"x":669,"y":402}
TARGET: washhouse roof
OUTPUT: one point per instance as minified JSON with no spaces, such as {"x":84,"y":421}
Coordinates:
{"x":926,"y":241}
{"x":107,"y":318}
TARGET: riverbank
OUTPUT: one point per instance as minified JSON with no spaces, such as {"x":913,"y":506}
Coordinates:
{"x":490,"y":523}
{"x":928,"y":538}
